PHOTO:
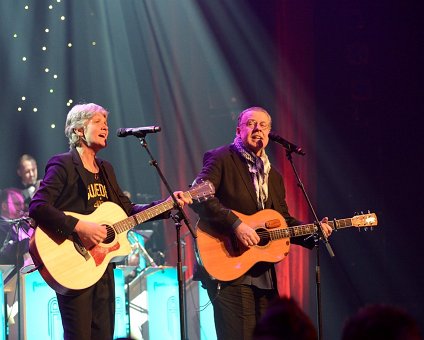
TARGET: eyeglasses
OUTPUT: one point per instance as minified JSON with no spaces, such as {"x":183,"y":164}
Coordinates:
{"x":251,"y":124}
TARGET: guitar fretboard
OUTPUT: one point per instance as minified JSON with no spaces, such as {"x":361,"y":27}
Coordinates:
{"x":148,"y":214}
{"x":307,"y":229}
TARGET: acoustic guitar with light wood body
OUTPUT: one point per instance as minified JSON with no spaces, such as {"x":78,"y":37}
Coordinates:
{"x":67,"y":266}
{"x":225,"y":258}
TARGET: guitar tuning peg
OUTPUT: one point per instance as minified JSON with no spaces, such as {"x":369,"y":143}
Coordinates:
{"x":366,"y":229}
{"x":362,"y":212}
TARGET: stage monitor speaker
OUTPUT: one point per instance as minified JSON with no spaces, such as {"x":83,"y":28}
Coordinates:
{"x":154,"y":304}
{"x":39,"y":312}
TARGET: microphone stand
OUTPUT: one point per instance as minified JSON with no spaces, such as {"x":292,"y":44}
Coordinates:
{"x":177,"y":220}
{"x":317,"y":237}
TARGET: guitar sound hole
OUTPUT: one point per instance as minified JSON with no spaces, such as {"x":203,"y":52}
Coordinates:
{"x":110,"y":235}
{"x":264,"y":236}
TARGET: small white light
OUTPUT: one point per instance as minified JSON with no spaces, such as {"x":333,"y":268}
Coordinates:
{"x":44,"y":48}
{"x":62,"y":17}
{"x":55,"y":76}
{"x":26,"y":7}
{"x":68,"y":104}
{"x":47,"y":30}
{"x":19,"y":109}
{"x":93,"y":43}
{"x":15,"y":35}
{"x":35,"y":109}
{"x":24,"y":59}
{"x":50,"y":7}
{"x":69,"y":44}
{"x":46,"y":70}
{"x":51,"y":90}
{"x":23,"y":98}
{"x":53,"y":125}
{"x":70,"y":101}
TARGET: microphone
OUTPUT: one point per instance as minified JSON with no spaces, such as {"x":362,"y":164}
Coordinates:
{"x":138,"y":131}
{"x":286,"y":144}
{"x":21,"y":219}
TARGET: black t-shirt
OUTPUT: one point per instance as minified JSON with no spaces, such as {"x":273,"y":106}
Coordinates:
{"x":96,"y":190}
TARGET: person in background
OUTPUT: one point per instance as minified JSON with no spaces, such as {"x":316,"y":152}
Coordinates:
{"x":79,"y":181}
{"x":28,"y":173}
{"x":15,"y":229}
{"x":245,"y":181}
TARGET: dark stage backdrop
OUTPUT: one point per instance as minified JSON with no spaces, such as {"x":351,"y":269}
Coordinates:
{"x":343,"y":79}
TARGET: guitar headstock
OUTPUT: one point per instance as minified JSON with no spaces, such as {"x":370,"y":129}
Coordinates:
{"x":365,"y":220}
{"x":202,"y":190}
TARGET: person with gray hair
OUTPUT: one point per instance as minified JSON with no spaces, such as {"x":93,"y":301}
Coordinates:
{"x":78,"y":181}
{"x":247,"y":183}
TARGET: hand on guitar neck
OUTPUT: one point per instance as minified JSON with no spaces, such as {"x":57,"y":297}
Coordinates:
{"x":249,"y":237}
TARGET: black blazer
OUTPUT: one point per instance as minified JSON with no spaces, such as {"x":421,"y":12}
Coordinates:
{"x":229,"y":173}
{"x":64,"y":188}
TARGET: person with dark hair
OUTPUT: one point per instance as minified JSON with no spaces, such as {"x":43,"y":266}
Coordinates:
{"x":381,"y":321}
{"x":28,"y":172}
{"x":15,"y":231}
{"x":285,"y":320}
{"x":79,"y":182}
{"x":245,"y":182}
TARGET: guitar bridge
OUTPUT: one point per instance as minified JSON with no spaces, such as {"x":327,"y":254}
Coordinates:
{"x":80,"y":248}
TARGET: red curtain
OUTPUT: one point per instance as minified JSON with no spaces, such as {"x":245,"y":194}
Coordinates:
{"x":294,"y":86}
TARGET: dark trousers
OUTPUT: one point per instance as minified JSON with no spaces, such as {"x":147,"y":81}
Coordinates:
{"x":90,"y":314}
{"x":237,"y":308}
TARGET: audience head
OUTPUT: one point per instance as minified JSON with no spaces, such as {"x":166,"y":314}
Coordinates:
{"x":381,"y":322}
{"x":284,"y":319}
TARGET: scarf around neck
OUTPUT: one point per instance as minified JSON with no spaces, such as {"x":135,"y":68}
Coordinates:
{"x":259,"y":168}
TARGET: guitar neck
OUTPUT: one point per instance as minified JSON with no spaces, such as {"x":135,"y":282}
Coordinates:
{"x":307,"y":229}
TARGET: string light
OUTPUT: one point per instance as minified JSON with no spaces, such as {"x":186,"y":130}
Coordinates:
{"x":43,"y":57}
